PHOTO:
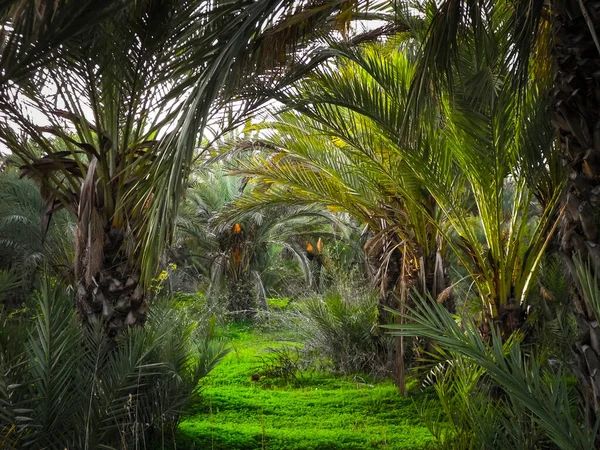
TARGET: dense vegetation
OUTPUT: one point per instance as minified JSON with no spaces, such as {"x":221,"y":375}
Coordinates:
{"x":300,"y":224}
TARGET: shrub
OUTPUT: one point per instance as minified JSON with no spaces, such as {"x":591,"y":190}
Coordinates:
{"x":344,"y":329}
{"x":62,"y":386}
{"x":495,"y":393}
{"x":282,"y":364}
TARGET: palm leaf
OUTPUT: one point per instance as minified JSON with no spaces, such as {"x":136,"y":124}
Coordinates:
{"x":523,"y":378}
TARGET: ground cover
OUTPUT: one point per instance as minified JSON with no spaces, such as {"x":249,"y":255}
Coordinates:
{"x":242,"y":409}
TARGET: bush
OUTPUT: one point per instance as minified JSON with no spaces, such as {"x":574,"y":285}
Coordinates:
{"x":495,"y":393}
{"x":281,"y":364}
{"x":279,"y":304}
{"x":344,"y":330}
{"x":62,"y":386}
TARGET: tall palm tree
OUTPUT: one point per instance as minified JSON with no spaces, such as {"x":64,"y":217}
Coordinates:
{"x":103,"y":121}
{"x":555,"y":40}
{"x":123,"y":111}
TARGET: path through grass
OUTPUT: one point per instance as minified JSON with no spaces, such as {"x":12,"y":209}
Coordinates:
{"x":321,"y":412}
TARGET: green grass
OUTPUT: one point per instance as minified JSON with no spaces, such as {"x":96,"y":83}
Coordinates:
{"x":318,"y":412}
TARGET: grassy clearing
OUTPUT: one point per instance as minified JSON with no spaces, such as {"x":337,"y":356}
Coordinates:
{"x":316,"y":412}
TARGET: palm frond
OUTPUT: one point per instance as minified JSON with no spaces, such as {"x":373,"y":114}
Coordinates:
{"x":34,"y":32}
{"x":53,"y":355}
{"x":250,"y":38}
{"x":523,"y":378}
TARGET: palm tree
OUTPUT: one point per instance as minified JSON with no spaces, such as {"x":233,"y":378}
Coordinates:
{"x":61,"y":386}
{"x":244,"y":48}
{"x":103,"y":124}
{"x":338,"y":152}
{"x":236,"y":249}
{"x":469,"y":180}
{"x":125,"y":106}
{"x":509,"y":161}
{"x":555,"y":41}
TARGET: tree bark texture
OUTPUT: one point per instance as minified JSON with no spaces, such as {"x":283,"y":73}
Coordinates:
{"x":109,"y":289}
{"x":576,"y":116}
{"x":242,"y":304}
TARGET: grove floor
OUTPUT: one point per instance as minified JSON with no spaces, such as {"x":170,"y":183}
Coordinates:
{"x":239,"y":411}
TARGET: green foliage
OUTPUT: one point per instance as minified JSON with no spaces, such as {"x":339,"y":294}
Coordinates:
{"x":323,"y":412}
{"x":64,"y":386}
{"x":499,"y":391}
{"x":235,"y":42}
{"x":278,"y":304}
{"x":474,"y":173}
{"x":283,"y":364}
{"x":22,"y":246}
{"x":339,"y":148}
{"x":9,"y":282}
{"x":243,"y":254}
{"x":473,"y":179}
{"x":193,"y":305}
{"x":474,"y":413}
{"x":343,"y":328}
{"x":553,"y":318}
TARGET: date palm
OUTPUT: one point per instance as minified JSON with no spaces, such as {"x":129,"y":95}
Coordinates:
{"x":557,"y":41}
{"x":124,"y":106}
{"x":338,"y":151}
{"x":345,"y":149}
{"x":103,"y":121}
{"x":235,"y":249}
{"x":478,"y":177}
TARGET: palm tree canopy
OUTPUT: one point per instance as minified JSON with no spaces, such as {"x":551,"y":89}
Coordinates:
{"x":33,"y":31}
{"x":132,"y":97}
{"x":345,"y":148}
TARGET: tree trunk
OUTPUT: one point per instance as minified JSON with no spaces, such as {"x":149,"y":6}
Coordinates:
{"x":241,"y":299}
{"x":109,"y":289}
{"x":576,"y":116}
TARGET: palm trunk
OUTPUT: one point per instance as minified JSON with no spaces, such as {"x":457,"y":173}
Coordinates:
{"x":576,"y":117}
{"x":241,"y":299}
{"x":396,"y":283}
{"x":389,"y":288}
{"x":109,"y":289}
